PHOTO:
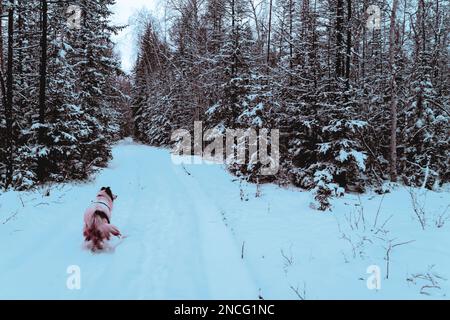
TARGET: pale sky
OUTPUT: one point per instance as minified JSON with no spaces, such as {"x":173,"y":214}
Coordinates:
{"x":123,"y":10}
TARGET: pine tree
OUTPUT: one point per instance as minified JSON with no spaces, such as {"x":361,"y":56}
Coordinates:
{"x":63,"y":123}
{"x":357,"y":103}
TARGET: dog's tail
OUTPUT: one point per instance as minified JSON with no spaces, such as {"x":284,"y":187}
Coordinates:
{"x":98,"y":231}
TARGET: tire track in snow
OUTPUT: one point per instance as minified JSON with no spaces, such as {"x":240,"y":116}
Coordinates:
{"x":228,"y":276}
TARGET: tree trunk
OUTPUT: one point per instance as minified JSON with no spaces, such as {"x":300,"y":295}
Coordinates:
{"x":43,"y":67}
{"x":9,"y":96}
{"x":349,"y":43}
{"x":437,"y":43}
{"x":291,"y":30}
{"x":2,"y":63}
{"x":257,"y":27}
{"x":42,"y":87}
{"x":339,"y":38}
{"x":364,"y":45}
{"x":394,"y":100}
{"x":235,"y":40}
{"x":269,"y":35}
{"x":312,"y":21}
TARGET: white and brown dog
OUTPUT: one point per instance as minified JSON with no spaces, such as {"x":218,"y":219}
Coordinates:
{"x":97,"y":220}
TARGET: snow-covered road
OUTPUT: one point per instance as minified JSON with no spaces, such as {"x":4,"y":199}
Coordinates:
{"x":177,"y":245}
{"x":188,"y":228}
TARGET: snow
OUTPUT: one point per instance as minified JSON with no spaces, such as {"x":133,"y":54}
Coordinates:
{"x":359,"y":157}
{"x":188,"y":226}
{"x":324,"y":147}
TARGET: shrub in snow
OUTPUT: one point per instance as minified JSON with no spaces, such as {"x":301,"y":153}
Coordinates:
{"x":325,"y":189}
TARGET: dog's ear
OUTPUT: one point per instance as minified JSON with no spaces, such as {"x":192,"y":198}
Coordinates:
{"x":114,"y":197}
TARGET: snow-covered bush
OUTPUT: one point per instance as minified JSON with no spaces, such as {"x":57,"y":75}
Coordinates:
{"x":325,"y":189}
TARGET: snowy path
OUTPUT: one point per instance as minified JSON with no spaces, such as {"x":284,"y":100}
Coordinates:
{"x":177,"y":245}
{"x":186,"y":228}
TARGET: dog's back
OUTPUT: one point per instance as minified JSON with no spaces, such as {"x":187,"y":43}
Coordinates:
{"x":97,"y":230}
{"x":97,"y":218}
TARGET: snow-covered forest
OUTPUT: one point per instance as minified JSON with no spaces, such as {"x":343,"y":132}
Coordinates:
{"x":358,"y":90}
{"x":62,"y":91}
{"x":360,"y":98}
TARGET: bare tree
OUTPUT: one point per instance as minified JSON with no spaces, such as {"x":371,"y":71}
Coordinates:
{"x":389,"y":249}
{"x":269,"y":35}
{"x":339,"y":38}
{"x":349,"y":43}
{"x":291,"y":32}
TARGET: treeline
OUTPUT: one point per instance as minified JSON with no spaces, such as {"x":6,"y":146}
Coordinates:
{"x":360,"y":98}
{"x":60,"y":85}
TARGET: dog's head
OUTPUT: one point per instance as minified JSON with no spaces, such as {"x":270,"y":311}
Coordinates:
{"x":109,"y":193}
